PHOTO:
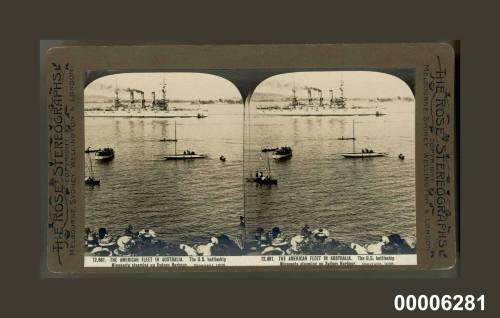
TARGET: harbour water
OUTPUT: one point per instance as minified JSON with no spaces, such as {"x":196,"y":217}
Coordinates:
{"x":189,"y":201}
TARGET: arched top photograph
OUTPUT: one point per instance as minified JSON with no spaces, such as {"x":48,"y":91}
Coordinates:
{"x":330,"y":93}
{"x":158,"y":95}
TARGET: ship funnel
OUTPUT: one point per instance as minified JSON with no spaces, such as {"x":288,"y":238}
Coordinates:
{"x":153,"y":98}
{"x":143,"y":101}
{"x":320,"y":97}
{"x":331,"y":97}
{"x":117,"y":99}
{"x":309,"y":96}
{"x":132,"y":97}
{"x":295,"y":101}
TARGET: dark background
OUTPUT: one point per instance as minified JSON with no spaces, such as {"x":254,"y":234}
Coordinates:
{"x":24,"y":25}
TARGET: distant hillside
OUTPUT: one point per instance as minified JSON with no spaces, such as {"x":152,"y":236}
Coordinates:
{"x":274,"y":97}
{"x":92,"y":98}
{"x":266,"y":97}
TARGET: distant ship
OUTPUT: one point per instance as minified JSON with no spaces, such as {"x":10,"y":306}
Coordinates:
{"x":336,"y":106}
{"x":139,"y":109}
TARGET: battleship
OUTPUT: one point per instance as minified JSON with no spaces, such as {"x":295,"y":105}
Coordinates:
{"x":138,"y":108}
{"x":337,"y":106}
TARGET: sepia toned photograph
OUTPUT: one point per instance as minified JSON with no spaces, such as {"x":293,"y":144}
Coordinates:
{"x":164,"y":158}
{"x":330,"y":164}
{"x":312,"y":163}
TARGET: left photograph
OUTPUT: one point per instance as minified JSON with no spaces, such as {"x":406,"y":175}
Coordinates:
{"x":163,"y":168}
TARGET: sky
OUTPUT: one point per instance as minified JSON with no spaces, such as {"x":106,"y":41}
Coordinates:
{"x":188,"y":86}
{"x":357,"y":84}
{"x":194,"y":86}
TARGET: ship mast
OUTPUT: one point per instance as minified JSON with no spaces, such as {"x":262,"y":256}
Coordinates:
{"x":117,"y":99}
{"x":164,"y":103}
{"x":91,"y":170}
{"x":342,"y":100}
{"x":268,"y":166}
{"x":175,"y":137}
{"x":353,"y":139}
{"x":294,"y":100}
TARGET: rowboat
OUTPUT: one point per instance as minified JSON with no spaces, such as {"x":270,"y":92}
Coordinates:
{"x":282,"y":153}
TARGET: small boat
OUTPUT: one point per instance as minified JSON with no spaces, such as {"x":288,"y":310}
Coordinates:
{"x":264,"y":180}
{"x":401,"y":156}
{"x":346,"y":138}
{"x":222,"y":158}
{"x":186,"y":155}
{"x":268,"y":149}
{"x":105,"y":154}
{"x":91,"y":180}
{"x":191,"y":155}
{"x":362,"y":155}
{"x":89,"y":150}
{"x":168,"y":140}
{"x":365,"y":153}
{"x":282,"y":153}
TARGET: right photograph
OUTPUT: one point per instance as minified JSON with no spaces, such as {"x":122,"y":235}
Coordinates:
{"x":329,"y":164}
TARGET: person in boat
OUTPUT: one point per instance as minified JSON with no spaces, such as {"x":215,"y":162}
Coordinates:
{"x":306,"y":232}
{"x":363,"y":150}
{"x":320,"y":235}
{"x":275,"y":232}
{"x":371,"y":150}
{"x":261,"y":237}
{"x":104,"y":239}
{"x":124,"y":244}
{"x":102,"y":232}
{"x":129,"y":231}
{"x":242,"y":220}
{"x":256,"y":175}
{"x":90,"y":239}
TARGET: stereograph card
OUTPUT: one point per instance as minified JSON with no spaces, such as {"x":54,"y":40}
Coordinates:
{"x":251,"y":158}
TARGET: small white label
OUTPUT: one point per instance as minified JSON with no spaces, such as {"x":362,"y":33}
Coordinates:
{"x":436,"y":302}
